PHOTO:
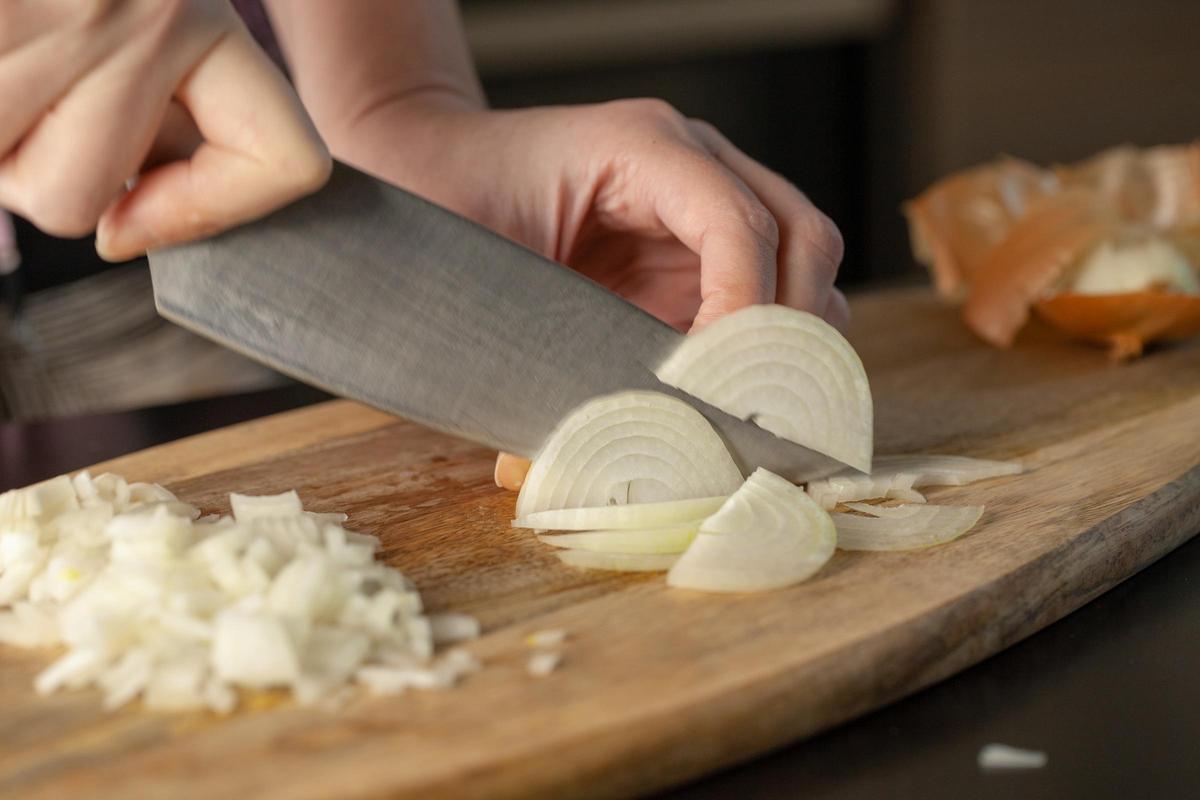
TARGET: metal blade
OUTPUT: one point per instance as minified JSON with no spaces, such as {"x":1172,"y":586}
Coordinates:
{"x":372,"y":293}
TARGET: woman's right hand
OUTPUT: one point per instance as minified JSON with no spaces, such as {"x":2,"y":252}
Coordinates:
{"x":87,"y":88}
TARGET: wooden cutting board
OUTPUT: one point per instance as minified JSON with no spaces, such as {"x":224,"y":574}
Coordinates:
{"x":659,"y":685}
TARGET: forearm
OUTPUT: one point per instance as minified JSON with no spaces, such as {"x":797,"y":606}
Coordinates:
{"x":387,"y":59}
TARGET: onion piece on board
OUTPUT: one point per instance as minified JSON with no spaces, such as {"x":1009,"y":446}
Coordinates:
{"x":617,"y":562}
{"x":908,"y":527}
{"x":672,"y":540}
{"x":787,"y":371}
{"x":625,"y":448}
{"x":897,"y":476}
{"x":638,"y":516}
{"x":768,"y":535}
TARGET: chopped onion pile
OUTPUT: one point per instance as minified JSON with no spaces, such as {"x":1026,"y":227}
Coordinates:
{"x":897,"y":477}
{"x":153,"y":602}
{"x":905,"y":527}
{"x":629,"y":447}
{"x":768,"y":535}
{"x":787,"y":371}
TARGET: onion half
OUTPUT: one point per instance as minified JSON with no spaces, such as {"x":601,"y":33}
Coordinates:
{"x":787,"y":371}
{"x":907,"y":527}
{"x":625,"y":448}
{"x":768,"y":535}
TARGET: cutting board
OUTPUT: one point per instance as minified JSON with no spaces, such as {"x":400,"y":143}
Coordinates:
{"x":659,"y":685}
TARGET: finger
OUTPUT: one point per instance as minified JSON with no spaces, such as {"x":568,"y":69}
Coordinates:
{"x":65,"y":180}
{"x":177,"y":138}
{"x":810,"y":249}
{"x":260,"y":152}
{"x":837,"y":311}
{"x":511,"y":471}
{"x":717,"y":217}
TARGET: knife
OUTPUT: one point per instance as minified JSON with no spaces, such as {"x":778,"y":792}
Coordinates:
{"x":372,"y":293}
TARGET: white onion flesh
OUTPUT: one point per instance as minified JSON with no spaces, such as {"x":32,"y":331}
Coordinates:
{"x":153,"y":602}
{"x":787,"y":371}
{"x":897,"y":477}
{"x":543,"y":663}
{"x":768,"y":535}
{"x":638,"y":516}
{"x":1006,"y":757}
{"x":626,"y":448}
{"x":907,"y":527}
{"x":616,"y":562}
{"x":664,"y":541}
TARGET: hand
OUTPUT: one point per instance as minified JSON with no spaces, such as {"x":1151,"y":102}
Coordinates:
{"x":662,"y":209}
{"x":87,"y":88}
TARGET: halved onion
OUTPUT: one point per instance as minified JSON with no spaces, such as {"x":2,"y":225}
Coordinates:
{"x":629,"y":447}
{"x":617,"y":562}
{"x":907,"y":527}
{"x":672,"y":540}
{"x":787,"y":371}
{"x":629,"y":517}
{"x":768,"y":535}
{"x":898,"y":476}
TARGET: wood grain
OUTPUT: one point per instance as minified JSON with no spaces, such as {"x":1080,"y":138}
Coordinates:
{"x":660,"y":685}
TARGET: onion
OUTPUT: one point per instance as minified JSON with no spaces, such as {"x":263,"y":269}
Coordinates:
{"x":1003,"y":757}
{"x":629,"y":447}
{"x":154,"y":602}
{"x":638,"y":516}
{"x":670,"y":540}
{"x":617,"y":562}
{"x":906,"y":527}
{"x":787,"y":371}
{"x":896,"y":476}
{"x":543,"y":663}
{"x":768,"y":535}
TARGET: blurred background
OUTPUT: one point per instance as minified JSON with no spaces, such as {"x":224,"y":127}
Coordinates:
{"x":861,"y":103}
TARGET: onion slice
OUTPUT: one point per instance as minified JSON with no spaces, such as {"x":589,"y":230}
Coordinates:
{"x":625,"y":448}
{"x":617,"y":562}
{"x":638,"y":516}
{"x":907,"y":527}
{"x":768,"y":535}
{"x":672,"y":540}
{"x":787,"y":371}
{"x":897,"y":477}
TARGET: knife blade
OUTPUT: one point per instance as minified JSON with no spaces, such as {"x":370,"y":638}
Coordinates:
{"x":375,"y":294}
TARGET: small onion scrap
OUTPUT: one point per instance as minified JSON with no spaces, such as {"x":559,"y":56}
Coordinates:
{"x":768,"y":535}
{"x":897,"y":477}
{"x":663,"y":541}
{"x":907,"y":527}
{"x":625,"y":448}
{"x":787,"y":371}
{"x":617,"y":562}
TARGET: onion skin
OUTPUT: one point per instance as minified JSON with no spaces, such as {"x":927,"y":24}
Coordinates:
{"x":1030,"y":261}
{"x":1124,"y":322}
{"x":511,"y":471}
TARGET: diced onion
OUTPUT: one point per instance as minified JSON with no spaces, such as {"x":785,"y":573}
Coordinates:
{"x":1003,"y":757}
{"x":769,"y":534}
{"x":907,"y":527}
{"x":629,"y":447}
{"x":153,"y":601}
{"x":616,"y":562}
{"x":787,"y":371}
{"x":543,"y":663}
{"x":638,"y":516}
{"x":897,"y":477}
{"x":670,"y":540}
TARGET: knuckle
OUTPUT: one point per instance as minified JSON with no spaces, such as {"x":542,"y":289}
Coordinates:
{"x":92,"y":13}
{"x":652,"y":109}
{"x":309,"y":170}
{"x":761,"y":222}
{"x":823,"y":235}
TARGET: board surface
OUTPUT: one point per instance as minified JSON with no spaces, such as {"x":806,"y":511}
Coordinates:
{"x":659,"y":685}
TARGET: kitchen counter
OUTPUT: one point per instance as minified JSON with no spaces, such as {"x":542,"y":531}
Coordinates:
{"x":1108,"y":692}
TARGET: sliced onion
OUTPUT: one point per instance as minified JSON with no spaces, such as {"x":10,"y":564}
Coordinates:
{"x":629,"y":447}
{"x":768,"y":535}
{"x":906,"y":527}
{"x":785,"y":370}
{"x":638,"y":516}
{"x":897,"y":476}
{"x":616,"y":562}
{"x":672,"y":540}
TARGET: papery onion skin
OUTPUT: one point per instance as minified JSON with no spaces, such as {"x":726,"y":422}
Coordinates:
{"x":1123,"y":322}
